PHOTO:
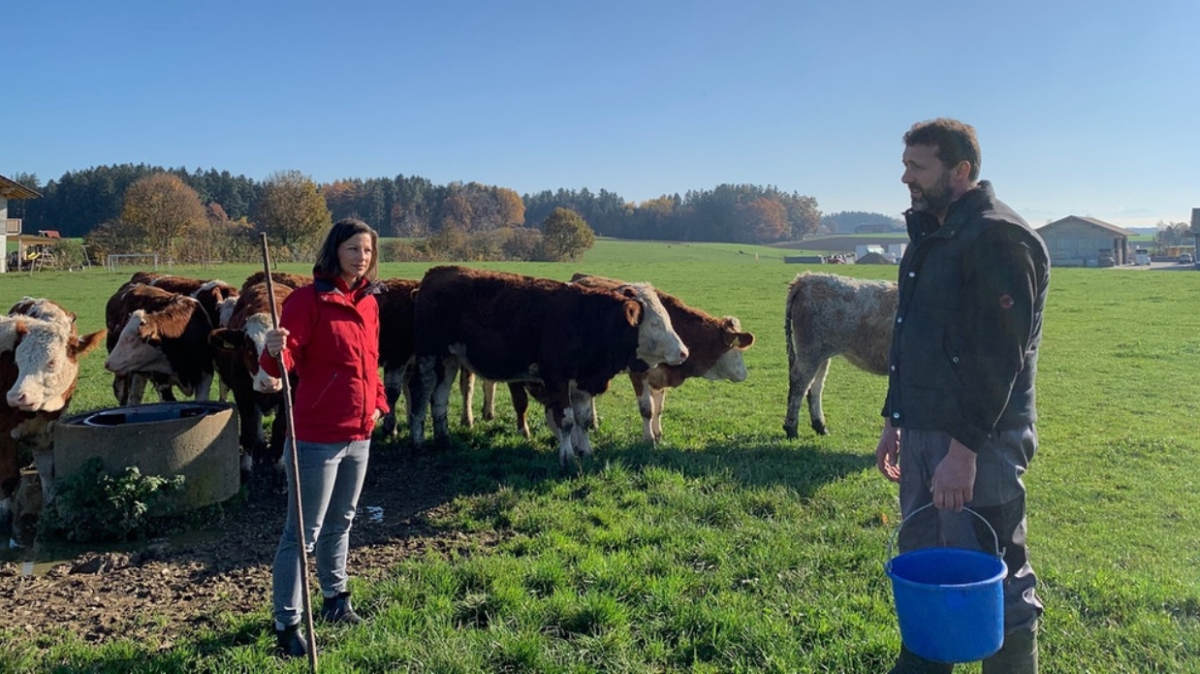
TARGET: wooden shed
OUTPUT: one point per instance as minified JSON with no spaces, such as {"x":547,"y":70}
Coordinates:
{"x":1077,"y":241}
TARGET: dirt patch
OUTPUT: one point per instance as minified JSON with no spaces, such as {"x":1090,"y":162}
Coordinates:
{"x":169,"y":589}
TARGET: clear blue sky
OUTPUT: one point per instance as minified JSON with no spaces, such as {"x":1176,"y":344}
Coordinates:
{"x":1082,"y":107}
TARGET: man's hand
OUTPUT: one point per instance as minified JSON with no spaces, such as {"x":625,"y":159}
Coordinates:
{"x":954,"y":478}
{"x":887,"y":452}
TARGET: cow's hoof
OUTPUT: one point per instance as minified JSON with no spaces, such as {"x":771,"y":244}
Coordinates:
{"x":792,"y":434}
{"x":820,"y":428}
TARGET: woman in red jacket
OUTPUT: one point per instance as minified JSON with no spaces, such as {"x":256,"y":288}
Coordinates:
{"x":328,"y":336}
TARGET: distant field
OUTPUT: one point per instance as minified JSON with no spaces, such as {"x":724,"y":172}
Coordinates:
{"x":732,"y":549}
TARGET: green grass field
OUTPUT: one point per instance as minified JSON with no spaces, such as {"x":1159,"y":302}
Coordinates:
{"x":732,"y":549}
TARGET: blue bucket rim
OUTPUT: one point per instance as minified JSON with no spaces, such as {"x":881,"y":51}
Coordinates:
{"x":925,"y":552}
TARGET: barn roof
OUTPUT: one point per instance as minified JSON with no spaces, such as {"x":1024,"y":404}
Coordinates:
{"x":10,"y":189}
{"x":1090,"y":221}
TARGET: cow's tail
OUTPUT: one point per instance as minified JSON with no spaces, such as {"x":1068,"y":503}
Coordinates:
{"x":787,"y":327}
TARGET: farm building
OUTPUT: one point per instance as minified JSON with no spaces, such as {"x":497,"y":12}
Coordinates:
{"x":1196,"y":227}
{"x":1076,"y":241}
{"x":12,"y":226}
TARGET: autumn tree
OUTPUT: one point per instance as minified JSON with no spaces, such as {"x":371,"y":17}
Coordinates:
{"x":292,"y":212}
{"x":762,"y":221}
{"x":565,"y":236}
{"x":163,"y":207}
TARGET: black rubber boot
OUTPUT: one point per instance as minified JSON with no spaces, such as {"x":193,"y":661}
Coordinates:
{"x":338,"y":610}
{"x":1018,"y":655}
{"x":911,"y":663}
{"x":291,"y":641}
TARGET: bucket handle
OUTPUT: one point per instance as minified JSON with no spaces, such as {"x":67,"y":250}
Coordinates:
{"x":892,"y":539}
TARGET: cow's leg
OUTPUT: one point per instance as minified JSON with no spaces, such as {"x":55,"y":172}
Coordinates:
{"x":204,"y":386}
{"x":445,"y":370}
{"x":641,"y":390}
{"x":393,"y":385}
{"x":421,"y":387}
{"x":800,"y":378}
{"x":137,"y":389}
{"x":582,"y":410}
{"x":249,"y":432}
{"x":561,"y":419}
{"x":520,"y":401}
{"x":489,"y":399}
{"x":222,"y":390}
{"x":120,"y":388}
{"x":658,"y":399}
{"x":815,"y":414}
{"x":466,"y":386}
{"x":162,"y":385}
{"x":10,"y":479}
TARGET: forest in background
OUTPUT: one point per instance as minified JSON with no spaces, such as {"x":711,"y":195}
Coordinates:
{"x":412,"y":206}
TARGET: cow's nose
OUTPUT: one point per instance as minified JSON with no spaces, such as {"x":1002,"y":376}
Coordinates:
{"x":683,"y":354}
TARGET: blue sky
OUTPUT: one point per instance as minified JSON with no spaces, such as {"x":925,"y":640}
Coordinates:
{"x":1085,"y":108}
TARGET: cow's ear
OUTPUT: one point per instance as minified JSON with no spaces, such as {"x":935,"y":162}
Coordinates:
{"x":81,"y":345}
{"x":633,"y":312}
{"x":226,"y":339}
{"x":743,"y":340}
{"x":628,"y":291}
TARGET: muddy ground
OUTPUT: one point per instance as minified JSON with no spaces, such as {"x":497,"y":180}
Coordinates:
{"x":167,"y":589}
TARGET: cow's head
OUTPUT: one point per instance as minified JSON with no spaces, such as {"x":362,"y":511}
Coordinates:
{"x":657,"y":340}
{"x":138,"y":347}
{"x":44,"y":309}
{"x":248,"y":344}
{"x":730,"y":366}
{"x":47,"y":358}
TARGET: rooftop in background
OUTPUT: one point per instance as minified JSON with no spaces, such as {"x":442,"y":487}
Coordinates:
{"x":13,"y":190}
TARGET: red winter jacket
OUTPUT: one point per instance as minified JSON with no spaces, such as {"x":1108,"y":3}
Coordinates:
{"x":333,"y":347}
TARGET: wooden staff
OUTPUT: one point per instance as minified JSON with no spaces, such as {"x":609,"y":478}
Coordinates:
{"x":291,"y":441}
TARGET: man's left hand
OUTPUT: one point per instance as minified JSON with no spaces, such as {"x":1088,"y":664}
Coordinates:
{"x":954,"y":478}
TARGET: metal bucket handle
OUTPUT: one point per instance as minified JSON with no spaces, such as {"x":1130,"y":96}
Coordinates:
{"x":896,"y":534}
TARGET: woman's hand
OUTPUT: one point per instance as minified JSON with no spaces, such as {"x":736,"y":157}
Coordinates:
{"x":276,"y":340}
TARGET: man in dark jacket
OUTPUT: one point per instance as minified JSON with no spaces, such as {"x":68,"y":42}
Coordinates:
{"x":959,"y":416}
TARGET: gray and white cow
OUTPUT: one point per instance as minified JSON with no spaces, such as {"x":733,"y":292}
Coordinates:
{"x":830,"y":315}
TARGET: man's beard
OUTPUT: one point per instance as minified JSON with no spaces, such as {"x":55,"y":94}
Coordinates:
{"x":935,"y":199}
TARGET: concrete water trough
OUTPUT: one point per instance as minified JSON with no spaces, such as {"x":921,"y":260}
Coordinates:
{"x":197,"y":439}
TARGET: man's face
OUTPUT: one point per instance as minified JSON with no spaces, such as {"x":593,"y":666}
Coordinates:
{"x":928,"y":180}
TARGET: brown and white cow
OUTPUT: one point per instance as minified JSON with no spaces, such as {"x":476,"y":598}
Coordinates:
{"x":396,"y":342}
{"x":565,"y":339}
{"x":714,"y":345}
{"x":238,"y":348}
{"x":214,"y":295}
{"x":828,"y":315}
{"x":158,"y":333}
{"x":39,"y":368}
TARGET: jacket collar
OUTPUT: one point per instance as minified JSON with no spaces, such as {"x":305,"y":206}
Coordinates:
{"x":336,"y":284}
{"x":921,"y":223}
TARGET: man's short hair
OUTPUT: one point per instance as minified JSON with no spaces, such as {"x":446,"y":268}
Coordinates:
{"x":955,"y":142}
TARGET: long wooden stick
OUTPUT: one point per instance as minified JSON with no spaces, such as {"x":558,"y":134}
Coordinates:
{"x":297,"y":501}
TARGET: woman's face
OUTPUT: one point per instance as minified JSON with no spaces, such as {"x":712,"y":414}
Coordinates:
{"x":354,"y":256}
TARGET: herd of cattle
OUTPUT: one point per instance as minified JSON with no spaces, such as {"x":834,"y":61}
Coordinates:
{"x":559,"y":342}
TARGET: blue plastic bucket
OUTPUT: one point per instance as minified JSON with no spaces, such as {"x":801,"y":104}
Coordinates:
{"x":949,"y":601}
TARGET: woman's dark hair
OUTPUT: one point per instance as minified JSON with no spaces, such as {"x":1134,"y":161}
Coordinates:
{"x":954,"y":140}
{"x":327,"y":258}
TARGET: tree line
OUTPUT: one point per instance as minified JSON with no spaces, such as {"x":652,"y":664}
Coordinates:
{"x":412,"y":206}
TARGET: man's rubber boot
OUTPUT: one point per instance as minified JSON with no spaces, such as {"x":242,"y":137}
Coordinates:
{"x":1018,"y":655}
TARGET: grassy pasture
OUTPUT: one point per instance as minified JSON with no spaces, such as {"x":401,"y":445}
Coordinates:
{"x":730,"y":548}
